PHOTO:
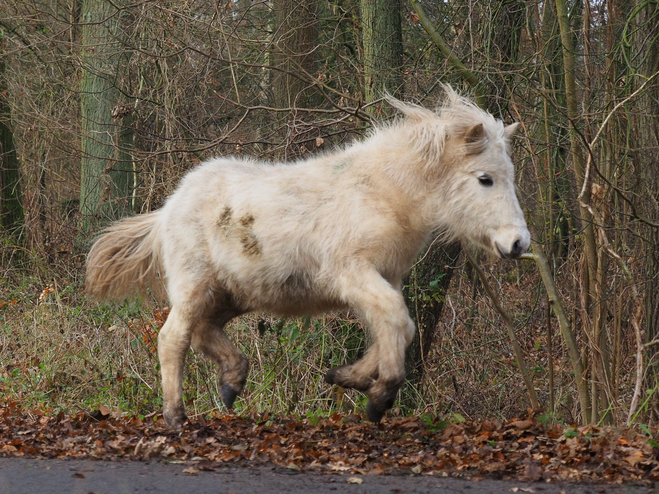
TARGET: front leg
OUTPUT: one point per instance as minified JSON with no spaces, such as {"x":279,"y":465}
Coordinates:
{"x":381,"y":372}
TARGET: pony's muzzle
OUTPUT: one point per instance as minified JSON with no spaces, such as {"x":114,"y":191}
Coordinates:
{"x":519,"y":246}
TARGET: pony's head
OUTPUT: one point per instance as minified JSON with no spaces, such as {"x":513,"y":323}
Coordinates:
{"x":465,"y":152}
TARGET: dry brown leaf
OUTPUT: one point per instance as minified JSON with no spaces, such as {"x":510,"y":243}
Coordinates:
{"x":490,"y":425}
{"x":522,"y":424}
{"x":635,"y":457}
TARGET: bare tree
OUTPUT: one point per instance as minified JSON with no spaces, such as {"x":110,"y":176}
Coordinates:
{"x":106,"y":172}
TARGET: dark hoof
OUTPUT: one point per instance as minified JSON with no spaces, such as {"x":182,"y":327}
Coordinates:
{"x":373,"y":413}
{"x":330,"y":377}
{"x":379,"y":403}
{"x":175,"y":420}
{"x":228,"y":395}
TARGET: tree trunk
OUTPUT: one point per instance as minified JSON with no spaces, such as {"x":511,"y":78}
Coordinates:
{"x":507,"y":20}
{"x":425,"y":292}
{"x":560,"y":202}
{"x":465,"y":73}
{"x":11,"y":206}
{"x":647,"y":128}
{"x":105,"y":175}
{"x":575,"y":143}
{"x":582,"y":181}
{"x":430,"y":278}
{"x":294,"y":56}
{"x":382,"y":40}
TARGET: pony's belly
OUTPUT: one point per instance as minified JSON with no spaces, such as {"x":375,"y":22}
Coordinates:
{"x":294,"y":296}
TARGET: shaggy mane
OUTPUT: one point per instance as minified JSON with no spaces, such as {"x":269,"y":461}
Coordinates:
{"x":457,"y":111}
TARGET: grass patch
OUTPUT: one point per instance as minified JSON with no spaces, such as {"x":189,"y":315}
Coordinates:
{"x":62,"y":352}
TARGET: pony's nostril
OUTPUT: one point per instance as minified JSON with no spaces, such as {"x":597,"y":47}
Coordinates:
{"x":517,"y":248}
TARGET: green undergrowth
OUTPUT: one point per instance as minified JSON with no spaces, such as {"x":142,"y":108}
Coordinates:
{"x":60,"y":351}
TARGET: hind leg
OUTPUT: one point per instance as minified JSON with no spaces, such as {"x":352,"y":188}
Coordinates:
{"x":173,"y":345}
{"x":210,"y":339}
{"x":381,"y":372}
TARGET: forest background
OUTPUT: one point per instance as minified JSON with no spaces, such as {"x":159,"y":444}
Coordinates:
{"x":104,"y":105}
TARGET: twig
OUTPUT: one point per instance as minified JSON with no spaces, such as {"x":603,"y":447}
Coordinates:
{"x":564,"y":324}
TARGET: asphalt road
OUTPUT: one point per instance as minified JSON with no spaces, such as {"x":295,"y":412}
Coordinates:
{"x":19,"y":475}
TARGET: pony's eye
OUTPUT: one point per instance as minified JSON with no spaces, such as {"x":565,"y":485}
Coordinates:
{"x":486,"y":181}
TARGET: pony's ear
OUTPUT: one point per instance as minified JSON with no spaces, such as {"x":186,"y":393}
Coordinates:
{"x":509,"y":130}
{"x":475,"y":139}
{"x":475,"y":133}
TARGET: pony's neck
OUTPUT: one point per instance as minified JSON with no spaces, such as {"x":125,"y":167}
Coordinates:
{"x":394,"y":171}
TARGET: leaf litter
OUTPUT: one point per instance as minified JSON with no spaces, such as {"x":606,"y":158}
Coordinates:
{"x":520,"y":449}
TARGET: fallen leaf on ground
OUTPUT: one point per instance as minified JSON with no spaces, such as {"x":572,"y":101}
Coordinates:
{"x":522,"y":424}
{"x":522,"y":449}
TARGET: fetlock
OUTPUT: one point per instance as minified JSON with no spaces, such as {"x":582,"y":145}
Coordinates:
{"x":346,"y":377}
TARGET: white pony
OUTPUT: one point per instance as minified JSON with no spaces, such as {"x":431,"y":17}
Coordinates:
{"x":335,"y":231}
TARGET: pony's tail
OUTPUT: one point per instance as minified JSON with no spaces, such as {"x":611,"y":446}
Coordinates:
{"x":125,"y":260}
